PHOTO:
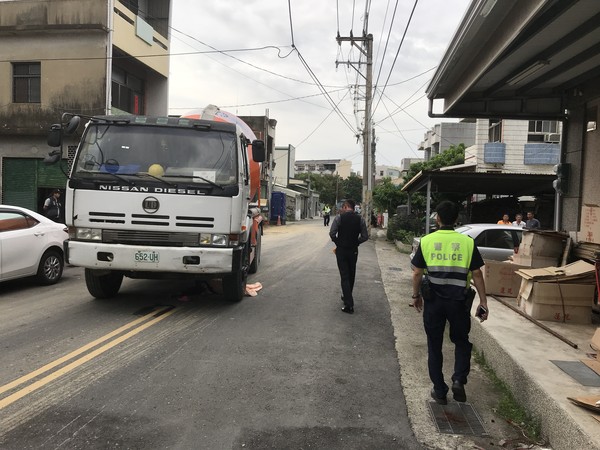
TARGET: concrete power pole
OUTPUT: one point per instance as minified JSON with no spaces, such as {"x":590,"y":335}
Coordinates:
{"x":367,"y":50}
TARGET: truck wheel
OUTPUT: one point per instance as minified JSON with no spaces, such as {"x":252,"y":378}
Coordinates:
{"x":103,"y":286}
{"x":234,"y":286}
{"x":50,"y":268}
{"x":256,"y":261}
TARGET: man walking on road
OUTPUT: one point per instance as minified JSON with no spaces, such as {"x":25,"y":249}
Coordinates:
{"x":449,"y":260}
{"x":348,"y":230}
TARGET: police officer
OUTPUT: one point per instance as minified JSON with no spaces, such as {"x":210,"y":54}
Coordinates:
{"x":449,"y":260}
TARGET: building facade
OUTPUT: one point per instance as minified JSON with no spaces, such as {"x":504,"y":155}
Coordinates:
{"x":446,"y":134}
{"x":340,"y":167}
{"x":86,"y":57}
{"x":515,"y":146}
{"x":381,"y":172}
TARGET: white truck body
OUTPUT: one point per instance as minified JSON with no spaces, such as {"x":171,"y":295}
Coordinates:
{"x":162,"y":198}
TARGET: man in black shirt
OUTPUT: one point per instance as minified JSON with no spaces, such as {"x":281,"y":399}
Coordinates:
{"x":348,"y":230}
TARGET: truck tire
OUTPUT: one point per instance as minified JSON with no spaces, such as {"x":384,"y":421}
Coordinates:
{"x":234,"y":286}
{"x":256,"y":261}
{"x":103,"y":286}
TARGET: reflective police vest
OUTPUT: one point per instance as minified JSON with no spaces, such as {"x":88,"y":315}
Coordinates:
{"x":448,"y":257}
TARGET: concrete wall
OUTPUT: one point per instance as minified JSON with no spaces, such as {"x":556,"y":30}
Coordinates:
{"x":284,"y":158}
{"x":69,"y":39}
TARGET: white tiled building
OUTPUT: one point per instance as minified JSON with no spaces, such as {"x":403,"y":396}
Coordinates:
{"x":340,"y":167}
{"x":515,"y":146}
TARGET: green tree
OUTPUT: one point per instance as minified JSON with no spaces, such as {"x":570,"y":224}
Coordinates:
{"x":451,"y":157}
{"x":329,"y":187}
{"x":352,"y":188}
{"x":387,"y":196}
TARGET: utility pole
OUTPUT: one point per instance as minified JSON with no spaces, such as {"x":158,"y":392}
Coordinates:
{"x":366,"y":48}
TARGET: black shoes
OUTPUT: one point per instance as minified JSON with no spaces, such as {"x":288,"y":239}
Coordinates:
{"x":439,"y":400}
{"x":348,"y":309}
{"x":458,"y":389}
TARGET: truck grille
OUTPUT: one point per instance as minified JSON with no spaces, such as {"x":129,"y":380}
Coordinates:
{"x":154,"y":238}
{"x":151,"y":220}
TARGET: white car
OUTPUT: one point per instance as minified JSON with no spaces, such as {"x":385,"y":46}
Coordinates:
{"x":30,"y":245}
{"x":496,"y":242}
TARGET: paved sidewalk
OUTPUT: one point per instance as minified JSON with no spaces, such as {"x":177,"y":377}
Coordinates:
{"x":520,"y":353}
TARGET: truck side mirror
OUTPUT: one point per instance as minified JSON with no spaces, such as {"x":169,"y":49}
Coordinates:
{"x":72,"y":125}
{"x":53,"y":157}
{"x":55,"y":135}
{"x":258,"y":150}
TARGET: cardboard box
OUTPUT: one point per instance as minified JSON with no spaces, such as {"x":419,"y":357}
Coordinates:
{"x":546,"y":243}
{"x":590,"y":224}
{"x":557,"y":302}
{"x":535,"y":262}
{"x":578,"y":272}
{"x":501,"y":278}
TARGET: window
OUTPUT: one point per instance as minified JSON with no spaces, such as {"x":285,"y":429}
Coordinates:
{"x":127,"y":92}
{"x":26,"y":82}
{"x":495,"y":239}
{"x":10,"y":221}
{"x":495,"y":131}
{"x":543,"y":126}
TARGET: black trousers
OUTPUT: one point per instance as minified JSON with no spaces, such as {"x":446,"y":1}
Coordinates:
{"x":436,"y":312}
{"x":346,"y":261}
{"x":326,"y":220}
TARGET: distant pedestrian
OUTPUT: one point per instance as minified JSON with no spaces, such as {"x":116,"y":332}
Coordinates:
{"x":348,"y":231}
{"x":326,"y":215}
{"x":532,"y":222}
{"x":449,"y":261}
{"x":373,"y":219}
{"x":505,"y":220}
{"x":52,"y":206}
{"x":519,"y":221}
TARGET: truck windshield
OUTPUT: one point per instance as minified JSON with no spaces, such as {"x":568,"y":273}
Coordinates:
{"x":164,"y":152}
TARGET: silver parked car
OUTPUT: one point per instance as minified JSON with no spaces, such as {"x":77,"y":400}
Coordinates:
{"x":496,"y":242}
{"x":30,"y":245}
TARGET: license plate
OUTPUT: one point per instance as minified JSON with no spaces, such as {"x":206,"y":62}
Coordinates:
{"x":146,"y":257}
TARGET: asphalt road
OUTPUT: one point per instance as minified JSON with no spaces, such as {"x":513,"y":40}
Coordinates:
{"x":164,"y":365}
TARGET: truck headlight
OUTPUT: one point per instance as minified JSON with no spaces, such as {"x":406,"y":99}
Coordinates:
{"x":86,"y":234}
{"x":219,"y":240}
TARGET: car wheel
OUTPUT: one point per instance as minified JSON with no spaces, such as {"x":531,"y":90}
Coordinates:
{"x":51,"y":267}
{"x":103,"y":286}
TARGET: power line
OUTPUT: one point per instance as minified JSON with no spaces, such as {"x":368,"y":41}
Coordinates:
{"x":396,"y":57}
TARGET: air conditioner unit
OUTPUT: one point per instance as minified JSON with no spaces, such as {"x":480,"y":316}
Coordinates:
{"x":552,"y":137}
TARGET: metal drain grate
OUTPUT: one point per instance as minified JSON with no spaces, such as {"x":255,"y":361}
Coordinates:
{"x":397,"y":269}
{"x":457,"y":418}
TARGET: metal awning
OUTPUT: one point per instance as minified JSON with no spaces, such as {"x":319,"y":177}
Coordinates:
{"x":468,"y":183}
{"x":518,"y":59}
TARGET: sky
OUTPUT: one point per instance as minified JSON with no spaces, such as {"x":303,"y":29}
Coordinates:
{"x":276,"y":58}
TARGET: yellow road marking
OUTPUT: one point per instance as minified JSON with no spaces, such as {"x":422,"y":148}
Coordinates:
{"x":47,"y":379}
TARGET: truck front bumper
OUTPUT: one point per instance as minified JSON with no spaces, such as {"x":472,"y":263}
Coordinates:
{"x":138,"y":258}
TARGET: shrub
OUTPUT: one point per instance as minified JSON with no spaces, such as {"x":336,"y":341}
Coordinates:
{"x":402,"y":229}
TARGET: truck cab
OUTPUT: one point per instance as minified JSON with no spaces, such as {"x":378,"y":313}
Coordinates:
{"x":162,"y":197}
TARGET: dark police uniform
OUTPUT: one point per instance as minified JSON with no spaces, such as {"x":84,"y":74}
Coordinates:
{"x":348,"y":231}
{"x":448,"y":258}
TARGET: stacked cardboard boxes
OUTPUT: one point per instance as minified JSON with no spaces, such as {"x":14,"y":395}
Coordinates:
{"x":540,"y":248}
{"x":559,"y":294}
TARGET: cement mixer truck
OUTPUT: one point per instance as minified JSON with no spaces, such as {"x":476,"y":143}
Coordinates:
{"x":162,"y":198}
